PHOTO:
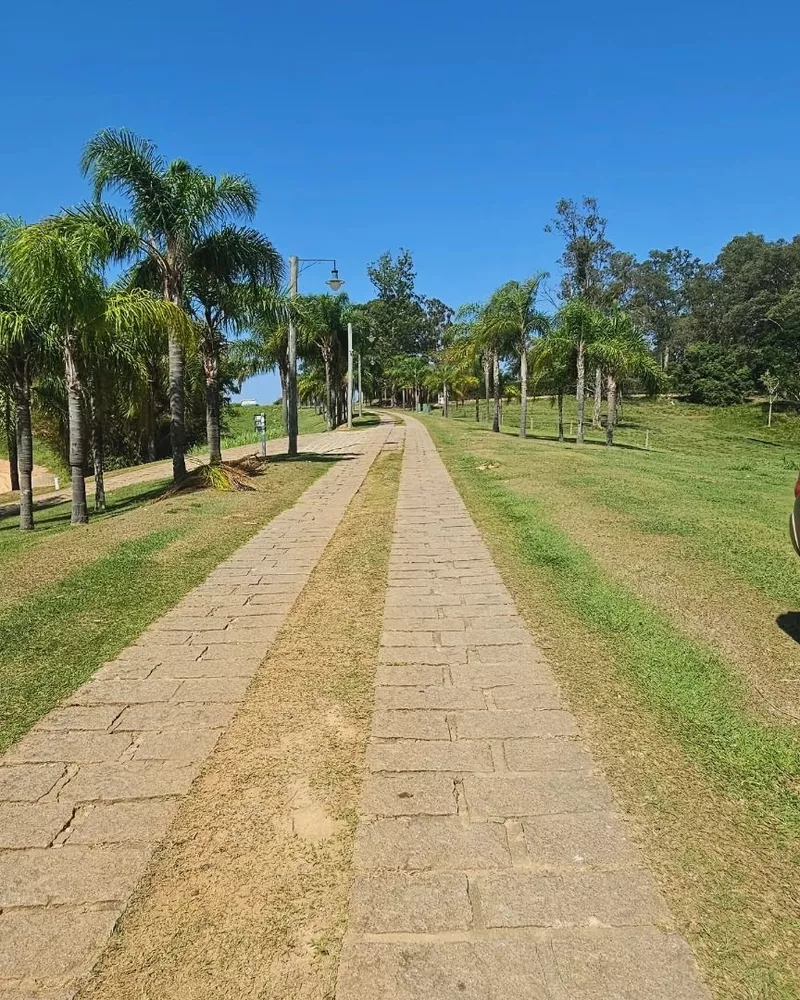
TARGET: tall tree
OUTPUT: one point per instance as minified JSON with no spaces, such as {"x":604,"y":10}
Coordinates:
{"x":172,"y":208}
{"x":222,"y":262}
{"x":511,"y":316}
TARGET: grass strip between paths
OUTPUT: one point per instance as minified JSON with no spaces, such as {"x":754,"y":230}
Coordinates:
{"x":56,"y":635}
{"x":247,"y":895}
{"x":712,"y":791}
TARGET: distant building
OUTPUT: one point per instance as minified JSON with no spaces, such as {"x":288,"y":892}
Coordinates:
{"x":249,"y":402}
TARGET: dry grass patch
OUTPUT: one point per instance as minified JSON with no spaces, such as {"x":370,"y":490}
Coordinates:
{"x":247,"y":896}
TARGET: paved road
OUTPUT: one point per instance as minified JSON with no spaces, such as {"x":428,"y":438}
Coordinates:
{"x":87,"y":793}
{"x":491,"y":863}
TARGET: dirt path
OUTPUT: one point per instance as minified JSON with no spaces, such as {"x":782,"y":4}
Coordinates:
{"x":41,"y":476}
{"x":86,"y":795}
{"x":491,"y":862}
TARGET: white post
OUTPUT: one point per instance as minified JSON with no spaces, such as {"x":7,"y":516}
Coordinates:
{"x":360,"y":393}
{"x":349,"y":376}
{"x":647,"y":439}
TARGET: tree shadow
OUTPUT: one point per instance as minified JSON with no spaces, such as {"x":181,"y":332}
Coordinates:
{"x":311,"y":456}
{"x":789,"y":622}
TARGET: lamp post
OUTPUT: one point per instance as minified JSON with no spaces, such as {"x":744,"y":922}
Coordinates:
{"x":349,"y":376}
{"x":334,"y":283}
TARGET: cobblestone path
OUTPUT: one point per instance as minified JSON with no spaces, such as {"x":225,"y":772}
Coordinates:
{"x":491,"y":863}
{"x":87,"y":793}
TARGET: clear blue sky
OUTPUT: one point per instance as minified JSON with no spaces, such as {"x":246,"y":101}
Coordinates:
{"x":449,"y":128}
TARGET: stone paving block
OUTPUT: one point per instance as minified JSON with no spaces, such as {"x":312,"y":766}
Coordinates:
{"x":588,"y":899}
{"x":404,"y":599}
{"x":420,"y":903}
{"x":157,"y":638}
{"x":143,"y":718}
{"x":129,"y":780}
{"x":509,"y":724}
{"x":535,"y":793}
{"x":414,"y":725}
{"x":27,"y":782}
{"x":429,"y":755}
{"x":527,"y":697}
{"x":408,"y":795}
{"x":69,"y":875}
{"x":415,"y":675}
{"x":500,"y":674}
{"x":437,"y":697}
{"x":76,"y":718}
{"x":421,"y":655}
{"x":52,"y":943}
{"x":212,"y":689}
{"x":193,"y":623}
{"x":398,"y":638}
{"x":184,"y":745}
{"x":474,"y":637}
{"x":25,"y":824}
{"x":547,"y":754}
{"x":230,"y":666}
{"x":445,"y":970}
{"x":145,"y":821}
{"x":417,"y":843}
{"x":634,"y":962}
{"x":125,"y":670}
{"x":579,"y":839}
{"x":124,"y":692}
{"x":78,"y":747}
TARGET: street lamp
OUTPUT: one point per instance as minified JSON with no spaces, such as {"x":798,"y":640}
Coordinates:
{"x":334,"y":283}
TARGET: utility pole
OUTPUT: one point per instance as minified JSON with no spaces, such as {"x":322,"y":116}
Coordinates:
{"x":349,"y":376}
{"x":291,"y":379}
{"x":360,"y":393}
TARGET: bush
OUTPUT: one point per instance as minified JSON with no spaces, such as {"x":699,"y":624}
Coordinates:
{"x":714,"y":375}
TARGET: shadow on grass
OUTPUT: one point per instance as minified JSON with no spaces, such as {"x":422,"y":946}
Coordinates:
{"x":789,"y":622}
{"x":113,"y":507}
{"x":553,"y":438}
{"x":310,"y":456}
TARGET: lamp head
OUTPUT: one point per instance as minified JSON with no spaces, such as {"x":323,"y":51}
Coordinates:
{"x":334,"y":282}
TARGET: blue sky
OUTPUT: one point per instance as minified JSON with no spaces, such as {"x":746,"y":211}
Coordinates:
{"x":448,"y":128}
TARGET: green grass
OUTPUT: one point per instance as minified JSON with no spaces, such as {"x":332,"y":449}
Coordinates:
{"x":721,"y":489}
{"x":237,"y":425}
{"x":66,"y":622}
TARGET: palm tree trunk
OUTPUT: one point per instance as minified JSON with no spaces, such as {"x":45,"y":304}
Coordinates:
{"x":177,"y":423}
{"x":11,"y":441}
{"x":477,"y":409}
{"x":77,"y":436}
{"x":580,"y":392}
{"x":486,"y":381}
{"x":444,"y":396}
{"x":98,"y":455}
{"x":496,"y":377}
{"x":611,"y":419}
{"x":560,"y":398}
{"x":328,"y":397}
{"x":22,"y":402}
{"x":213,"y":429}
{"x":283,"y":375}
{"x":598,"y":397}
{"x":523,"y":392}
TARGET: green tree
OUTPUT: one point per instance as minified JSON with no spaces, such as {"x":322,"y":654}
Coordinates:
{"x":511,"y":317}
{"x":172,"y":209}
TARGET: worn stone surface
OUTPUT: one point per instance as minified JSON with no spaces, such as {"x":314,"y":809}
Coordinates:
{"x":528,"y":888}
{"x":420,"y":903}
{"x":88,"y":792}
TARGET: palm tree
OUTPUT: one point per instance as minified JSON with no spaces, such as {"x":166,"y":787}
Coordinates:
{"x":58,"y":267}
{"x":265,"y":317}
{"x":621,"y":352}
{"x":172,"y":210}
{"x":221,"y":263}
{"x":511,"y":318}
{"x":578,"y":324}
{"x":24,"y":346}
{"x":553,"y":363}
{"x":323,"y":325}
